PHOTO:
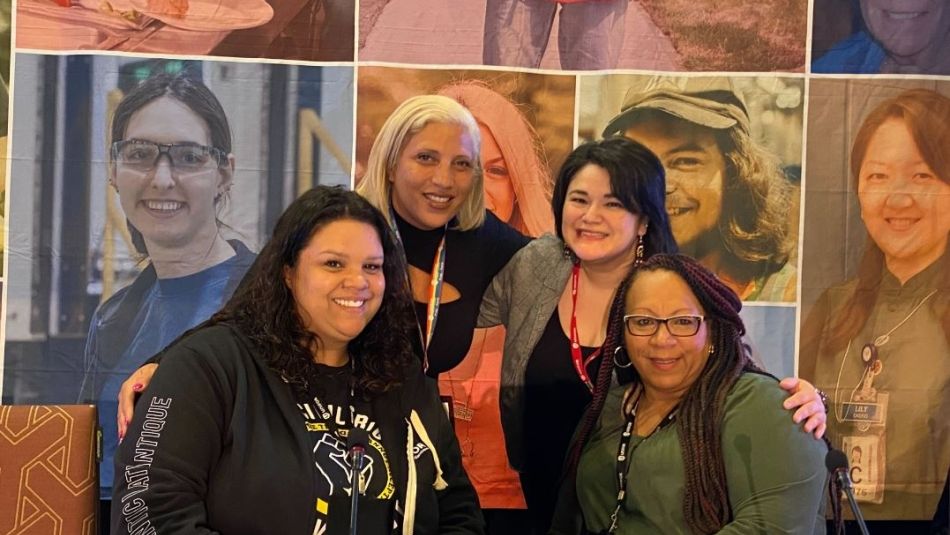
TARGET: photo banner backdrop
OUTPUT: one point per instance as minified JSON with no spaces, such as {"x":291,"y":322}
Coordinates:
{"x":810,"y":176}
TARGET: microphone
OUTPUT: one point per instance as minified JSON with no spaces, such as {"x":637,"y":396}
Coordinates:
{"x":837,"y":463}
{"x":356,"y":443}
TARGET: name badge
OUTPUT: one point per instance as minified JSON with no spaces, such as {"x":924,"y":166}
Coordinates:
{"x":872,"y":413}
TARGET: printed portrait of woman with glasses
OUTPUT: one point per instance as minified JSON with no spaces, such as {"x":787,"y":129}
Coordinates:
{"x":171,"y":166}
{"x":144,"y":188}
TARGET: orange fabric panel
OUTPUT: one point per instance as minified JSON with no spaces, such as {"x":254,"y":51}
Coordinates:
{"x":49,"y":476}
{"x":475,"y":384}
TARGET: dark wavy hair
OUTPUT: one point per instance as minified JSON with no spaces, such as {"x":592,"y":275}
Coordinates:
{"x":706,"y":505}
{"x":927,"y":115}
{"x":190,"y":91}
{"x":756,"y":200}
{"x":636,"y":179}
{"x":264,"y":309}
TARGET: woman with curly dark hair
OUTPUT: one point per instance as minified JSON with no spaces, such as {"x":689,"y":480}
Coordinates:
{"x":256,"y":406}
{"x":697,"y":441}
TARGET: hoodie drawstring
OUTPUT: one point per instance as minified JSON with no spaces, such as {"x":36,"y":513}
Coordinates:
{"x":414,"y":423}
{"x":439,"y":483}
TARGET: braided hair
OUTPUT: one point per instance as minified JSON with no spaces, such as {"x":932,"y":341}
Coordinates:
{"x":706,"y":507}
{"x":602,"y":380}
{"x":705,"y":501}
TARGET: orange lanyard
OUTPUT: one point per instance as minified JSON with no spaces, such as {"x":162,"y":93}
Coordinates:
{"x":435,"y":289}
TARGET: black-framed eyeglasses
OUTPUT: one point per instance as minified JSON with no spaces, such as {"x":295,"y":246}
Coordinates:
{"x":142,"y":156}
{"x":644,"y":325}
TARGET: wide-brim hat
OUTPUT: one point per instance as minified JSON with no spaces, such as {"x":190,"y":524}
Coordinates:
{"x":712,"y":102}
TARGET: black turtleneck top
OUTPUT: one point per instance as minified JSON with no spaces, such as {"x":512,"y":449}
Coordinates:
{"x":472,"y":258}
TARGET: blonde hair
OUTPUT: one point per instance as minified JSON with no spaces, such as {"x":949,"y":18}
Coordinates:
{"x":518,"y":141}
{"x":409,"y":118}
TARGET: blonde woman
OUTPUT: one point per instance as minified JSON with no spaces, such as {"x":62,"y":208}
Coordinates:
{"x":425,"y":174}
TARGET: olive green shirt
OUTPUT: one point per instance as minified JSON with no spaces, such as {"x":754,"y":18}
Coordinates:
{"x":775,"y":473}
{"x":915,"y":373}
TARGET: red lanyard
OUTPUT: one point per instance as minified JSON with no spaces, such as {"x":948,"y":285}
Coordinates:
{"x":580,"y":364}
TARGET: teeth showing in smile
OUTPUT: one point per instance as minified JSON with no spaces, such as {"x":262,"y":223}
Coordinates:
{"x":591,"y":234}
{"x":349,"y":303}
{"x":901,"y":223}
{"x":164,"y":206}
{"x":675,"y":211}
{"x":904,"y":15}
{"x":438,"y":198}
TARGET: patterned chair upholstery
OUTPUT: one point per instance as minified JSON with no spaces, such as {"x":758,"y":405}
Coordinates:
{"x":49,"y":474}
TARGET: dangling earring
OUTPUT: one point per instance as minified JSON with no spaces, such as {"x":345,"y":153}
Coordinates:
{"x":638,"y":258}
{"x":712,"y":350}
{"x":569,"y":254}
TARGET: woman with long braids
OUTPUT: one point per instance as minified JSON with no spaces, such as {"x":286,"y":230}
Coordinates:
{"x":697,"y":441}
{"x":554,"y":298}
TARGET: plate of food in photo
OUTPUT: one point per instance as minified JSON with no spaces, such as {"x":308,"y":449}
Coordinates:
{"x":208,"y":15}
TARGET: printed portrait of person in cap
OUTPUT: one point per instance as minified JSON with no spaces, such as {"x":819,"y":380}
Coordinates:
{"x":728,"y":198}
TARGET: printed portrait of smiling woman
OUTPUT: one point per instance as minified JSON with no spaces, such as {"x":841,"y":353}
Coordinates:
{"x":878,"y":343}
{"x":171,"y":166}
{"x":906,"y":37}
{"x":169,"y":180}
{"x":516,"y":175}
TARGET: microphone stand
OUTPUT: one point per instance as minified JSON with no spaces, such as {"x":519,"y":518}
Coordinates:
{"x":844,"y":479}
{"x":357,"y":453}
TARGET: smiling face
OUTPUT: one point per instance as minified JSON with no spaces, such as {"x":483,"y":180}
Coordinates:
{"x":499,"y":192}
{"x":668,"y":365}
{"x":904,"y":204}
{"x":594,"y":223}
{"x":434,"y":175}
{"x":695,"y":173}
{"x":908,"y":27}
{"x":171,"y":209}
{"x":338,"y":281}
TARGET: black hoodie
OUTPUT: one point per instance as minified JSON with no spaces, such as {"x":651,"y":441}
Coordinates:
{"x":218,"y":445}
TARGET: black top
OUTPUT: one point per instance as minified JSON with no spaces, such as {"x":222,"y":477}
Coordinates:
{"x":218,"y":442}
{"x":330,"y":411}
{"x":472,"y":258}
{"x":555,"y":400}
